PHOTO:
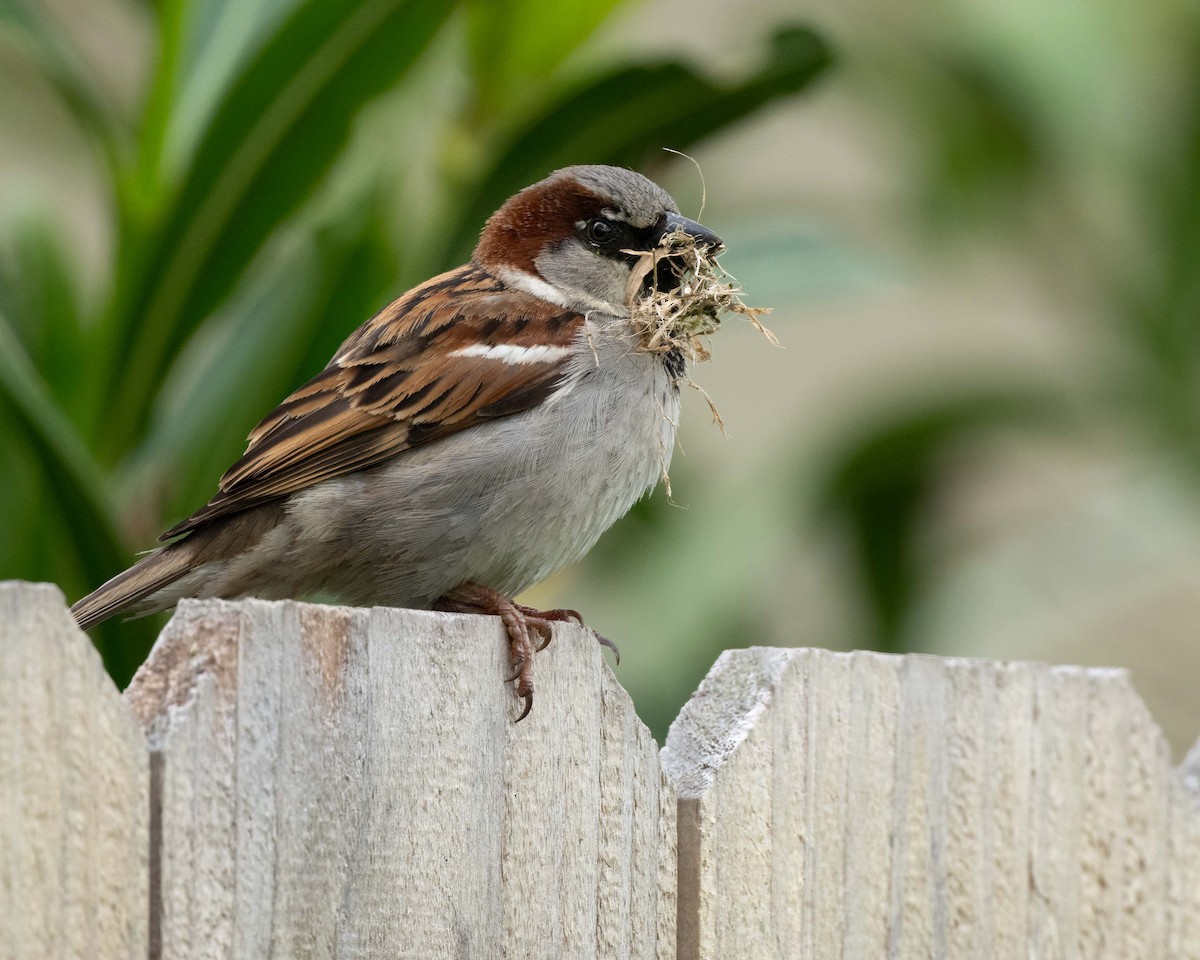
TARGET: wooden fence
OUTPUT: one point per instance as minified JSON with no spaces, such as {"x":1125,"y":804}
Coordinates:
{"x":284,"y":780}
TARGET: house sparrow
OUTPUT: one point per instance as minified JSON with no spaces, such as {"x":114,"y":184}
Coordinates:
{"x":476,"y":435}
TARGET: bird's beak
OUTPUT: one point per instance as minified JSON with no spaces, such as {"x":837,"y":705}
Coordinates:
{"x":698,"y":232}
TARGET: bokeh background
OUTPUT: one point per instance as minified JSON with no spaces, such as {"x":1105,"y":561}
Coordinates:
{"x":978,"y":224}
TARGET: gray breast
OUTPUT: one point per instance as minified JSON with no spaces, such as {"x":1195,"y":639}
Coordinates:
{"x":504,"y":503}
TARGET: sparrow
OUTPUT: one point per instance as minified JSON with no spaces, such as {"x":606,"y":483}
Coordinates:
{"x":474,"y":436}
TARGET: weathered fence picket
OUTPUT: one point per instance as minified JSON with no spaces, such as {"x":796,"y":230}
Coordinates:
{"x":339,"y":782}
{"x":74,"y":839}
{"x":863,"y":805}
{"x":333,"y":782}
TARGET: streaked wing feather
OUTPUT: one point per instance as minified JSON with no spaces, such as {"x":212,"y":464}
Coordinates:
{"x":396,"y":383}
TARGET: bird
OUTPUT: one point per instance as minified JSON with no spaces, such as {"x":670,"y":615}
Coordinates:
{"x":476,"y":435}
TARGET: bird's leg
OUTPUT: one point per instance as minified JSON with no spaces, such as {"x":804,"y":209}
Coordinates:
{"x":476,"y":598}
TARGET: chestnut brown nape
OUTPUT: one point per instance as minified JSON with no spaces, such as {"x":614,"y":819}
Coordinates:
{"x":537,"y":217}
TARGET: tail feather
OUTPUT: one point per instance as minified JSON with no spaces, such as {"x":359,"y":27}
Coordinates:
{"x":149,"y":575}
{"x":219,"y":541}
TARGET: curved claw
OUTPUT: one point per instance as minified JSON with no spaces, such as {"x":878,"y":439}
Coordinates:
{"x":605,"y":642}
{"x":543,"y":630}
{"x":528,"y":698}
{"x":518,"y":668}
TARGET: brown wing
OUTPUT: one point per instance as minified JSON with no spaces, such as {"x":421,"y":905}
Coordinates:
{"x":400,"y":380}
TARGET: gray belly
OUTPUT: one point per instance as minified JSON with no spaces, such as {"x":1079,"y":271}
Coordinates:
{"x":504,"y":503}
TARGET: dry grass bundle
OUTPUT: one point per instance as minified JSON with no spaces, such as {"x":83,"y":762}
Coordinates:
{"x":687,"y":294}
{"x":678,"y":294}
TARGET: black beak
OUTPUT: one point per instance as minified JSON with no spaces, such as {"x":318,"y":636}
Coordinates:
{"x":698,"y":232}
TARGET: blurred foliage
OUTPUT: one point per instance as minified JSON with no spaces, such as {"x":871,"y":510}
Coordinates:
{"x":257,"y":217}
{"x":291,"y":164}
{"x":1075,"y":134}
{"x":883,"y":483}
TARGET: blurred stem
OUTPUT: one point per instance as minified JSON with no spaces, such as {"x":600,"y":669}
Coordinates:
{"x":139,"y":200}
{"x":886,"y":526}
{"x":1166,"y":325}
{"x":142,"y":193}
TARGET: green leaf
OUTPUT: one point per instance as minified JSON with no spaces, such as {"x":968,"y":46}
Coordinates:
{"x":985,"y":148}
{"x":627,"y":116}
{"x":143,"y":193}
{"x":75,"y":542}
{"x":38,"y":295}
{"x":41,"y":542}
{"x":278,"y":131}
{"x":294,"y":312}
{"x":74,"y":486}
{"x":220,"y":36}
{"x":514,"y":44}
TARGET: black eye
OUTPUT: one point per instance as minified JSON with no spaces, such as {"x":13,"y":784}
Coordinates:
{"x":600,"y":230}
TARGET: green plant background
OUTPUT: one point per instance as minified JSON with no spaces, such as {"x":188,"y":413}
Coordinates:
{"x":979,"y":225}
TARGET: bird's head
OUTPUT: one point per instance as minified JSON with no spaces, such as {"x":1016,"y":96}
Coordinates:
{"x":568,"y":239}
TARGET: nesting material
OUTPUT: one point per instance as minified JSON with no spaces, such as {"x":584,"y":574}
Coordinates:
{"x":686,"y":294}
{"x":678,"y":294}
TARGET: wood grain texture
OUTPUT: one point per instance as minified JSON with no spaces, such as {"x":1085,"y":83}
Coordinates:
{"x":337,"y":782}
{"x":73,"y":792}
{"x":865,"y":806}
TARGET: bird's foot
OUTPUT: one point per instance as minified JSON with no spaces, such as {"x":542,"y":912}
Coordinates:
{"x":520,"y":623}
{"x":568,"y":616}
